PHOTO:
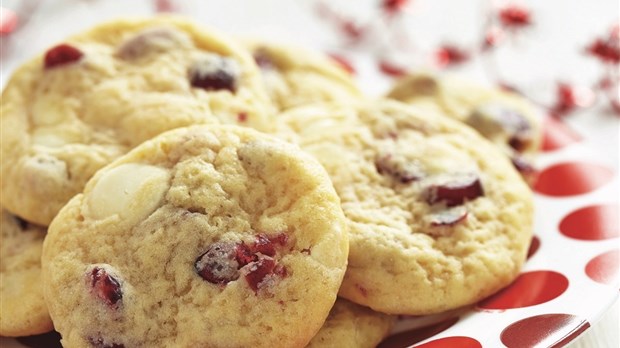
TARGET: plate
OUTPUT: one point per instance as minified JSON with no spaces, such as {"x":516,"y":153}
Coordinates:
{"x":572,"y":273}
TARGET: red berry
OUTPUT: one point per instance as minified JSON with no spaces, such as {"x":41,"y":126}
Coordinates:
{"x":263,"y":59}
{"x":218,"y":265}
{"x":449,"y":55}
{"x":449,"y":217}
{"x":258,"y":271}
{"x":244,"y":254}
{"x":60,"y":55}
{"x":399,"y":168}
{"x":515,"y":16}
{"x":213,"y":73}
{"x":264,"y":246}
{"x":455,"y":192}
{"x":105,"y":287}
{"x":223,"y":261}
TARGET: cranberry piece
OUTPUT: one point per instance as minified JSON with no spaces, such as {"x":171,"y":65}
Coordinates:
{"x":263,"y":59}
{"x":23,"y":224}
{"x":244,"y":254}
{"x":520,"y":141}
{"x":223,"y":261}
{"x":449,"y":217}
{"x":264,"y":246}
{"x":491,"y":119}
{"x":242,"y":117}
{"x":258,"y":271}
{"x":100,"y":343}
{"x":525,"y":168}
{"x":60,"y":55}
{"x":399,"y":168}
{"x":105,"y":286}
{"x":280,"y":238}
{"x":455,"y":192}
{"x":214,"y":72}
{"x":218,"y":265}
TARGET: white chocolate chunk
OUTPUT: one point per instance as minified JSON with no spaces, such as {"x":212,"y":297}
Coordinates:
{"x":131,"y":191}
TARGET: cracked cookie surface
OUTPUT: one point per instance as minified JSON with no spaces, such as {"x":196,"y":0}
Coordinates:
{"x":214,"y":236}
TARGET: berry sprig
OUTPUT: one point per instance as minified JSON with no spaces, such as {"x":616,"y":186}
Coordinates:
{"x":501,"y":24}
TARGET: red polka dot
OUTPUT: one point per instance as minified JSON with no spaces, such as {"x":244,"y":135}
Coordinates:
{"x":556,"y":134}
{"x":343,"y":62}
{"x":528,"y":289}
{"x":409,"y":337}
{"x":595,"y":222}
{"x":568,"y":179}
{"x":451,"y":342}
{"x":604,"y":268}
{"x":534,"y":245}
{"x":547,"y":330}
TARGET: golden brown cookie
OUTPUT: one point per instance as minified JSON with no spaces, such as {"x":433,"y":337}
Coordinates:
{"x":91,"y":98}
{"x":438,"y":216}
{"x":350,"y":325}
{"x":208,"y":236}
{"x":22,"y":307}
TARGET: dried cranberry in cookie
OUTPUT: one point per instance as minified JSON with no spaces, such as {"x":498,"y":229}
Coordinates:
{"x":62,"y":54}
{"x":399,"y":167}
{"x":498,"y":121}
{"x":213,"y":72}
{"x":203,"y":229}
{"x":224,"y":261}
{"x":263,"y":59}
{"x":442,"y":220}
{"x":256,"y":271}
{"x":218,"y":264}
{"x":454,"y":189}
{"x":105,"y":286}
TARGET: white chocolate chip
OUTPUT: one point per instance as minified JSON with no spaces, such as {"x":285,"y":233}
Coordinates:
{"x":131,"y":191}
{"x":47,"y":111}
{"x":152,"y":40}
{"x":48,"y":139}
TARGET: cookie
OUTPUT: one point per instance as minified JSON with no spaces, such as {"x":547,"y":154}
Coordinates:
{"x":98,"y":94}
{"x":438,"y":217}
{"x":352,"y":326}
{"x":295,"y":76}
{"x":22,"y":309}
{"x":215,"y":236}
{"x":508,"y":120}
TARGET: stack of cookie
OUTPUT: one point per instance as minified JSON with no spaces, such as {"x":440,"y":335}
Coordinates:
{"x":164,"y":185}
